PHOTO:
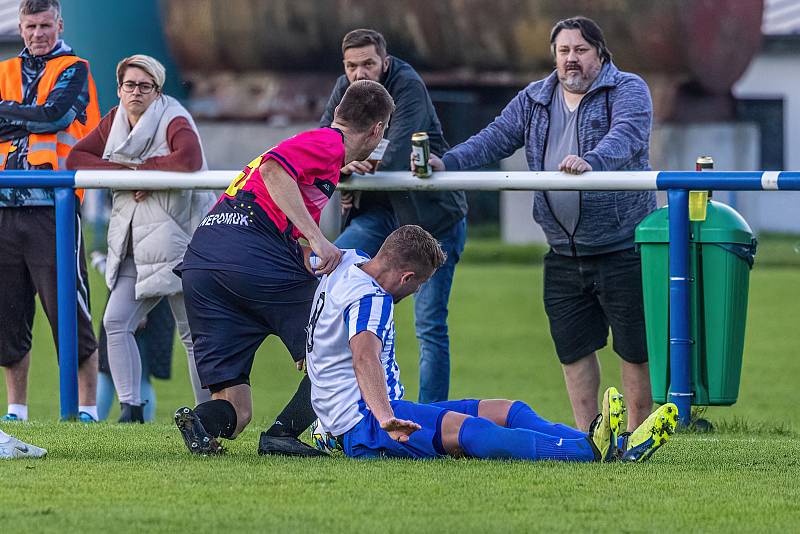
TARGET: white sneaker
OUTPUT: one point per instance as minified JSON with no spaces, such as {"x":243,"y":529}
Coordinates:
{"x":11,"y":448}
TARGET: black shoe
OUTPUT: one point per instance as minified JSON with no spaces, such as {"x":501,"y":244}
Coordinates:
{"x":130,"y":413}
{"x":198,"y":441}
{"x":286,"y":446}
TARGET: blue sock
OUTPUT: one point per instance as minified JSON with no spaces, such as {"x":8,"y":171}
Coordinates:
{"x":105,"y":395}
{"x":480,"y":438}
{"x":520,"y":415}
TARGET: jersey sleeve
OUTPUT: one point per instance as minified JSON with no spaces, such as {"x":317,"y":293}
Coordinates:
{"x":372,"y":313}
{"x":306,"y":156}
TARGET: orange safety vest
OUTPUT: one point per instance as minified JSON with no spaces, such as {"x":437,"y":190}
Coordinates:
{"x":49,"y":148}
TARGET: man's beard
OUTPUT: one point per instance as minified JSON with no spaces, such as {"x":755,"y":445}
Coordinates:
{"x":579,"y":83}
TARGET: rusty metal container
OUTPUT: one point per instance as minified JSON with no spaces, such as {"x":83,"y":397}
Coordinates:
{"x":702,"y":44}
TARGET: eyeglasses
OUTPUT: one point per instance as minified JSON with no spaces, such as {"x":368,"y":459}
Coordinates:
{"x":144,"y":87}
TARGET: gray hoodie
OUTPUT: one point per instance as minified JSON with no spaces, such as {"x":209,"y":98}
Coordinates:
{"x":614,"y":120}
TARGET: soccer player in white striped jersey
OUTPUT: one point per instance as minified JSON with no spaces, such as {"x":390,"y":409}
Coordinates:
{"x":356,"y":389}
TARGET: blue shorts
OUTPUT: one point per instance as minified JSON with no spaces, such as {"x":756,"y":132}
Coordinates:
{"x":368,"y":440}
{"x":230,"y":314}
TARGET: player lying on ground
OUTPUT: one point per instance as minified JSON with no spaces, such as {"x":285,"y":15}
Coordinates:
{"x":245,"y":276}
{"x":12,"y":448}
{"x":356,"y":391}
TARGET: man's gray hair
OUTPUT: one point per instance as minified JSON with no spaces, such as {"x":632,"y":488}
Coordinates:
{"x":32,"y":7}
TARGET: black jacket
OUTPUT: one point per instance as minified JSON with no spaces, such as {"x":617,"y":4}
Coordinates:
{"x":436,"y":211}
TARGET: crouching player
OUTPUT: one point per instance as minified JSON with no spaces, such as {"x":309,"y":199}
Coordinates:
{"x":246,"y":277}
{"x":357,"y":394}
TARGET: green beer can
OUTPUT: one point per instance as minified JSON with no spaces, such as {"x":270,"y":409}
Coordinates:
{"x":420,"y":152}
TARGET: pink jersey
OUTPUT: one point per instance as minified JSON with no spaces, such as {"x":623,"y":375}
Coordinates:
{"x":247,"y":232}
{"x":313,"y":159}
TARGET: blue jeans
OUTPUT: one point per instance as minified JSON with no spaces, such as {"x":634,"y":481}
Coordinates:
{"x":367,"y":232}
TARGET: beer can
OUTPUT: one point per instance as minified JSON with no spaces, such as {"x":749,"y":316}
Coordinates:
{"x":420,"y":152}
{"x":704,"y":163}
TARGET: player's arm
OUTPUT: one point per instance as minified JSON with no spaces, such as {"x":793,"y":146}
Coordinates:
{"x":284,"y":192}
{"x":366,"y":349}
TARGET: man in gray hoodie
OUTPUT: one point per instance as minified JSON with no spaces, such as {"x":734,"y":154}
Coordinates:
{"x":587,"y":115}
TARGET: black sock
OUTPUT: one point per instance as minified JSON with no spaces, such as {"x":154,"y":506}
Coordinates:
{"x":297,"y":415}
{"x":218,"y":417}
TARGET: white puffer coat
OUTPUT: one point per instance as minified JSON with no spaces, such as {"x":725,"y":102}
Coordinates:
{"x":160,"y":226}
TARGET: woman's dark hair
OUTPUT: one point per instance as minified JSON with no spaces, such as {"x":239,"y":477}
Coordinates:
{"x":589,"y":30}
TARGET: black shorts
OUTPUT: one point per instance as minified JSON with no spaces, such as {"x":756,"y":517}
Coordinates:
{"x":583,"y":296}
{"x":28,"y":267}
{"x":230,"y":314}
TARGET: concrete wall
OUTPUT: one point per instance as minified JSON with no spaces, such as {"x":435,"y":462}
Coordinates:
{"x":776,"y":75}
{"x":232,"y":145}
{"x":516,"y":218}
{"x":734,"y":147}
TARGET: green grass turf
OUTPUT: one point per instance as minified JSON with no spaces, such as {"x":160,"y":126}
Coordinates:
{"x":139,"y":478}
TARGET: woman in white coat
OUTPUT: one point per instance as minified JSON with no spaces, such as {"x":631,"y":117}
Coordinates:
{"x":148,"y":230}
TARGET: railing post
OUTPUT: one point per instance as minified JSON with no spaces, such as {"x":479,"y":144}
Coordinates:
{"x":66,"y":266}
{"x":680,"y":342}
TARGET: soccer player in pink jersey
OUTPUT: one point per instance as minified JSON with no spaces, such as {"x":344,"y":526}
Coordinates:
{"x":246,"y":276}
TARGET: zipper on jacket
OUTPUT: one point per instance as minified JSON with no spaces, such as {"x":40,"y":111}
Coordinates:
{"x":580,"y":155}
{"x":547,"y":200}
{"x":570,"y":236}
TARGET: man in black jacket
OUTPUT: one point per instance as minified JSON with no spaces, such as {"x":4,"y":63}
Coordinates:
{"x":372,"y":216}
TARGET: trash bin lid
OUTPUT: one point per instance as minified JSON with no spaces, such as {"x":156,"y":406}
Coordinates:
{"x":654,"y":228}
{"x":723,"y":224}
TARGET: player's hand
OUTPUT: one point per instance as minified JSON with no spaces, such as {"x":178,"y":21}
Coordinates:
{"x":329,"y":256}
{"x":138,"y":196}
{"x":399,"y":429}
{"x":574,"y":165}
{"x":301,"y":365}
{"x":358,"y":167}
{"x":348,"y":200}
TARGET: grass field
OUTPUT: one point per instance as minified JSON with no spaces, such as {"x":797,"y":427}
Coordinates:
{"x":139,"y":478}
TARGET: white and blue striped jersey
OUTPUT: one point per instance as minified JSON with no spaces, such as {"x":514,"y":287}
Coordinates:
{"x":347,"y":302}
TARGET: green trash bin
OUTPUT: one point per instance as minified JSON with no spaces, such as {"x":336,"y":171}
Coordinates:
{"x":721,"y":253}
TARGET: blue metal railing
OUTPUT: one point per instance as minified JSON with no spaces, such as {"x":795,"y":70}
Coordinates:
{"x":680,"y":342}
{"x":66,"y":267}
{"x":678,"y":183}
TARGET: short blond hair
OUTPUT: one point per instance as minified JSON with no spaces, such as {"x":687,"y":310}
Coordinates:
{"x":150,"y":65}
{"x":412,"y":248}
